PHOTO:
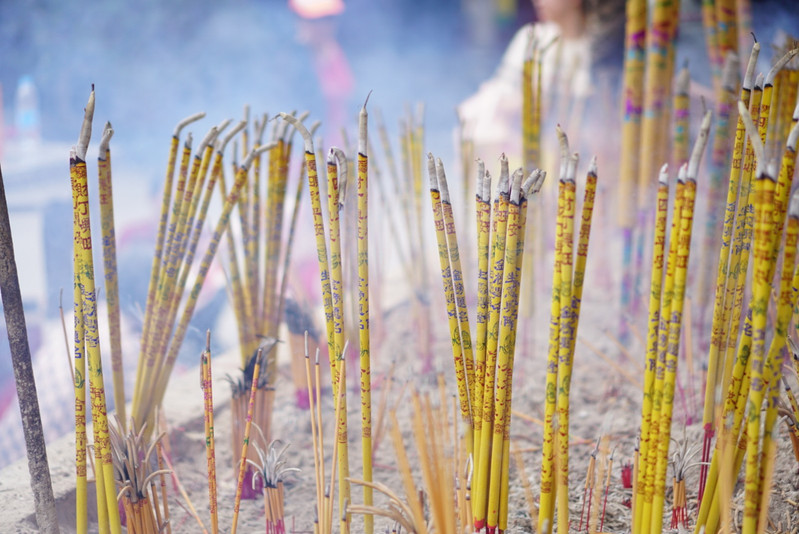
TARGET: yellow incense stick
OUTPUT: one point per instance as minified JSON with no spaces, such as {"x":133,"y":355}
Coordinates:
{"x":483,"y":207}
{"x":110,"y":269}
{"x":548,"y":475}
{"x":680,"y":279}
{"x":481,"y":484}
{"x":246,"y":441}
{"x":363,"y":313}
{"x":80,"y":372}
{"x":566,"y":338}
{"x":106,"y":498}
{"x":208,"y":400}
{"x":658,"y":247}
{"x":504,"y":369}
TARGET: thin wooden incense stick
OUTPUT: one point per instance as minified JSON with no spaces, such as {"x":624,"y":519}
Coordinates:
{"x":655,"y":286}
{"x":363,"y":312}
{"x":246,"y":442}
{"x":210,"y":446}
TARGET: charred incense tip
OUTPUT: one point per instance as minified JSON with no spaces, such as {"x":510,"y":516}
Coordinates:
{"x":771,"y":169}
{"x":571,"y":167}
{"x":529,"y":183}
{"x":759,"y":82}
{"x":682,"y":173}
{"x":754,"y":38}
{"x":778,"y":66}
{"x":289,"y":136}
{"x":230,"y":135}
{"x":362,"y":127}
{"x":504,"y":176}
{"x":793,"y":209}
{"x":750,"y":67}
{"x":222,"y":126}
{"x":282,"y":128}
{"x":255,"y":152}
{"x":208,"y":340}
{"x":86,"y":128}
{"x":481,"y":170}
{"x":260,"y":126}
{"x":790,"y":144}
{"x":663,"y":175}
{"x":431,"y":172}
{"x":754,"y":138}
{"x":542,"y":175}
{"x":516,"y":186}
{"x":592,"y":169}
{"x":729,"y":73}
{"x":683,"y":80}
{"x":699,"y":146}
{"x":343,"y":181}
{"x":306,"y":135}
{"x":442,"y":180}
{"x":207,"y":140}
{"x":563,"y":141}
{"x":108,"y":132}
{"x":189,"y":141}
{"x":487,"y":187}
{"x":363,"y":108}
{"x":185,"y":122}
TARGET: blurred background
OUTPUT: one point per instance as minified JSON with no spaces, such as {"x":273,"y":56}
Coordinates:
{"x":154,"y":63}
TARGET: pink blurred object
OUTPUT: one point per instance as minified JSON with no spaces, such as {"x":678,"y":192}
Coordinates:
{"x":315,"y":9}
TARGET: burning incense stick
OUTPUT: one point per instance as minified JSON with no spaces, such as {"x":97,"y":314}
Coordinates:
{"x":246,"y":442}
{"x":548,"y":480}
{"x":683,"y":250}
{"x":658,"y":247}
{"x":210,"y":448}
{"x":108,"y":513}
{"x":110,"y":268}
{"x":449,"y":293}
{"x":363,"y":312}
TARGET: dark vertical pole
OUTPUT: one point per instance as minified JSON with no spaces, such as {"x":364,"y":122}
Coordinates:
{"x":23,"y":373}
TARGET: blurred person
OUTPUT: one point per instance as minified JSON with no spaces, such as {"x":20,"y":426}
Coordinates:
{"x":581,"y":67}
{"x":316,"y":29}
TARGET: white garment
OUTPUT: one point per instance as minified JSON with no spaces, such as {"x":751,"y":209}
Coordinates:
{"x":492,"y":116}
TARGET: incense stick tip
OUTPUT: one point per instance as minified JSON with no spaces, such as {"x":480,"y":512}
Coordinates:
{"x":363,"y":109}
{"x":663,"y":175}
{"x":793,"y":209}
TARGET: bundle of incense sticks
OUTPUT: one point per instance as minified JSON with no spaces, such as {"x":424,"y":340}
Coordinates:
{"x":568,"y":277}
{"x":271,"y":467}
{"x":180,"y":228}
{"x":241,"y":390}
{"x":331,"y":278}
{"x":735,"y":250}
{"x":663,"y":339}
{"x":135,"y":472}
{"x":751,"y":376}
{"x":206,"y":383}
{"x":258,"y":282}
{"x":441,"y":503}
{"x":484,"y":371}
{"x":87,"y":348}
